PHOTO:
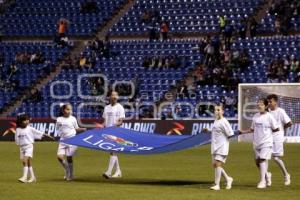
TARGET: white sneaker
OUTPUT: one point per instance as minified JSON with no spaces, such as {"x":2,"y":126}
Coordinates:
{"x":269,"y":179}
{"x":261,"y":185}
{"x":22,"y":180}
{"x":287,"y":180}
{"x":106,"y":175}
{"x":117,"y":174}
{"x":229,"y":183}
{"x":215,"y":187}
{"x":32,"y":180}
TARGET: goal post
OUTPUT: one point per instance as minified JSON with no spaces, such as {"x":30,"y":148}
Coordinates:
{"x":288,"y":99}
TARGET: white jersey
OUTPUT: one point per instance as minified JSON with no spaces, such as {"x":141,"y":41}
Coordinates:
{"x":112,"y":114}
{"x":263,"y":126}
{"x":26,"y":136}
{"x":66,"y":127}
{"x":221,"y":130}
{"x":282,"y":118}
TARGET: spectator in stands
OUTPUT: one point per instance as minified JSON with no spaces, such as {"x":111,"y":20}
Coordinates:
{"x":147,"y":62}
{"x":152,"y":33}
{"x":22,"y":58}
{"x":62,"y":27}
{"x":61,"y":38}
{"x":242,"y":28}
{"x":89,"y":6}
{"x":277,"y":25}
{"x":37,"y":58}
{"x":35,"y":96}
{"x":222,"y":23}
{"x":284,"y":11}
{"x":82,"y":61}
{"x":68,"y":62}
{"x":164,"y":30}
{"x":13,"y":69}
{"x":253,"y":27}
{"x":227,"y":35}
{"x":146,"y":17}
{"x":106,"y":47}
{"x":209,"y":52}
{"x":294,"y":64}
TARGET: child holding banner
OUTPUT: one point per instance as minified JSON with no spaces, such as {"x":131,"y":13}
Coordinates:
{"x":66,"y":127}
{"x":284,"y":122}
{"x":221,"y":131}
{"x":113,"y":115}
{"x":263,"y":126}
{"x":24,"y":137}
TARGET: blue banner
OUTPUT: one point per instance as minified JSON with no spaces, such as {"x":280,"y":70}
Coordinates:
{"x":115,"y":139}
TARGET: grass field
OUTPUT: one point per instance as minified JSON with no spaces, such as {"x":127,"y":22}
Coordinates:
{"x":181,"y":175}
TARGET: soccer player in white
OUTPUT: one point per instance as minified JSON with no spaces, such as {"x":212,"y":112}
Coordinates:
{"x":221,"y":131}
{"x":66,"y":127}
{"x":24,"y":137}
{"x":284,"y":122}
{"x":263,"y":126}
{"x":113,"y":115}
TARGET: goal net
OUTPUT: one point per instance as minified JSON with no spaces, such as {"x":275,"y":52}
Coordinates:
{"x":288,"y":99}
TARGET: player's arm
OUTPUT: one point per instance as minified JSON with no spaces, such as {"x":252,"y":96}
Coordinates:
{"x":77,"y":128}
{"x":122,"y":117}
{"x":287,"y":125}
{"x":206,"y":130}
{"x":250,"y":130}
{"x":286,"y":120}
{"x":228,"y":130}
{"x":119,"y":122}
{"x":274,"y":124}
{"x":39,"y":134}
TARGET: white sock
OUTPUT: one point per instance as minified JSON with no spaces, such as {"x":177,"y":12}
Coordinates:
{"x":25,"y":172}
{"x":112,"y":161}
{"x":218,"y":172}
{"x":224,"y":174}
{"x":281,"y":165}
{"x":263,"y":171}
{"x":117,"y":164}
{"x":31,"y":173}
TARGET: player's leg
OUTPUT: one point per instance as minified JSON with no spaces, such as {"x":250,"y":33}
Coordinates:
{"x":263,"y":170}
{"x":61,"y":152}
{"x":23,"y":179}
{"x":217,"y":165}
{"x":70,"y":152}
{"x":31,"y":172}
{"x":278,"y":152}
{"x":70,"y":168}
{"x":111,"y":164}
{"x":263,"y":156}
{"x":118,"y":173}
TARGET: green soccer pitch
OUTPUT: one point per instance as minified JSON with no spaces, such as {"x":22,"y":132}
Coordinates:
{"x":181,"y":175}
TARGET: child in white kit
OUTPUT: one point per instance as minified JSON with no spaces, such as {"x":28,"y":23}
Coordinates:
{"x":24,"y":137}
{"x":66,"y":127}
{"x":284,"y":122}
{"x":263,"y":126}
{"x":221,"y":131}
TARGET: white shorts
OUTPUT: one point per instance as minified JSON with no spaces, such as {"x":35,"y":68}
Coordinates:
{"x":66,"y":149}
{"x":26,"y":151}
{"x":218,"y":157}
{"x":278,"y":149}
{"x":263,"y":153}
